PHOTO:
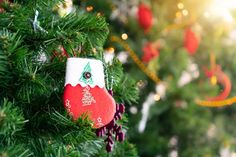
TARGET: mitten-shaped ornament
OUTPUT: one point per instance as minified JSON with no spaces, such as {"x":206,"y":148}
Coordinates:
{"x":85,"y":92}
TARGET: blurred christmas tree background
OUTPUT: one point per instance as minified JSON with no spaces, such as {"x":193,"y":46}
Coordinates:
{"x":179,"y":52}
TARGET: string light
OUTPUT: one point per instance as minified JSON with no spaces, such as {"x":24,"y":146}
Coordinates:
{"x":110,"y":49}
{"x":213,"y":80}
{"x":94,"y":50}
{"x":140,"y":83}
{"x":178,"y":14}
{"x":185,"y":12}
{"x":180,"y":5}
{"x":133,"y":110}
{"x":124,"y":36}
{"x":89,"y":8}
{"x":99,"y":14}
{"x":156,"y":97}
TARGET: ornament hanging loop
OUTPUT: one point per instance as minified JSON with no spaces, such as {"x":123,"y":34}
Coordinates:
{"x":36,"y":24}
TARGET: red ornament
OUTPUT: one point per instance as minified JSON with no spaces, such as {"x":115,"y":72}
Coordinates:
{"x":85,"y":92}
{"x":191,"y":41}
{"x":150,"y":51}
{"x":61,"y":53}
{"x":145,"y":17}
{"x":222,"y":79}
{"x":1,"y":9}
{"x":4,"y":1}
{"x":1,"y":1}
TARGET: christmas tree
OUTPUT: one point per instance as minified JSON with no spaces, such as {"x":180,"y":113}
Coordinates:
{"x":179,"y":52}
{"x":36,"y":38}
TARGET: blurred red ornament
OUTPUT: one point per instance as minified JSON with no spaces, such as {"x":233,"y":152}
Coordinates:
{"x":191,"y":41}
{"x":150,"y":51}
{"x":1,"y":1}
{"x":6,"y":1}
{"x":61,"y":53}
{"x":222,"y":79}
{"x":145,"y":17}
{"x":1,"y":9}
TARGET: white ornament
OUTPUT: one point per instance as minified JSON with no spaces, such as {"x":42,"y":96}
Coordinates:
{"x":123,"y":9}
{"x":42,"y":58}
{"x":145,"y":111}
{"x":188,"y":75}
{"x":211,"y":132}
{"x":161,"y":90}
{"x":225,"y":152}
{"x":65,"y":8}
{"x":133,"y":109}
{"x":122,"y":56}
{"x":108,"y":56}
{"x":173,"y":153}
{"x":184,"y":79}
{"x":173,"y":141}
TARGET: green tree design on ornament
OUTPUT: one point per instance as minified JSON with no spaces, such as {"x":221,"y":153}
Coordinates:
{"x":86,"y":76}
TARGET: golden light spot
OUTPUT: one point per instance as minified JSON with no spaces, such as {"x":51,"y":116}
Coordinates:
{"x":178,"y":14}
{"x":180,"y":5}
{"x":99,"y":14}
{"x":157,"y":97}
{"x":89,"y":8}
{"x":110,"y":49}
{"x":213,"y":80}
{"x":94,"y":50}
{"x":185,"y":12}
{"x":124,"y":36}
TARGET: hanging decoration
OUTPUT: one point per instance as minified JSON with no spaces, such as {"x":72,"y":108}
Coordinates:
{"x":191,"y":41}
{"x":60,"y":54}
{"x":145,"y":111}
{"x":219,"y":100}
{"x":221,"y":103}
{"x":85,"y":93}
{"x":150,"y":52}
{"x":188,"y":75}
{"x":145,"y":17}
{"x":64,"y":8}
{"x":113,"y":128}
{"x":124,"y":9}
{"x":221,"y":78}
{"x":161,"y":90}
{"x":1,"y":9}
{"x":217,"y":76}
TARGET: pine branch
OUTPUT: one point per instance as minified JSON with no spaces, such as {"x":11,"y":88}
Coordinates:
{"x":122,"y":94}
{"x":71,"y":31}
{"x":90,"y":147}
{"x":11,"y":122}
{"x":15,"y":150}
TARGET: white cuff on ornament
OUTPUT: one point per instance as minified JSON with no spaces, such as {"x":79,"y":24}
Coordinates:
{"x":76,"y":68}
